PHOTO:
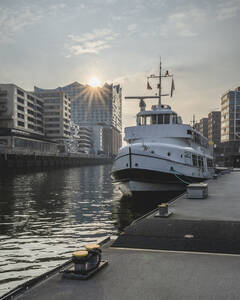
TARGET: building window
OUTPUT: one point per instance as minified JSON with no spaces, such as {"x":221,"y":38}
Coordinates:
{"x":30,"y":97}
{"x":30,"y":126}
{"x":20,"y":108}
{"x":39,"y":109}
{"x":21,"y":116}
{"x":52,"y":119}
{"x":52,"y":131}
{"x":31,"y":120}
{"x":20,"y":92}
{"x":20,"y":100}
{"x":39,"y":116}
{"x":39,"y":103}
{"x":30,"y":112}
{"x":30,"y":105}
{"x":20,"y":123}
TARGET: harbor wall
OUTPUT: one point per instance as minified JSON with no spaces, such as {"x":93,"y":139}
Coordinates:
{"x":22,"y":161}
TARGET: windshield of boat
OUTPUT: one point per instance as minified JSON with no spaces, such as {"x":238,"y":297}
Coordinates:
{"x":157,"y":119}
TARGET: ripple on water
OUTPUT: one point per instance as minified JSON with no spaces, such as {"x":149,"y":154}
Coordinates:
{"x":45,"y":216}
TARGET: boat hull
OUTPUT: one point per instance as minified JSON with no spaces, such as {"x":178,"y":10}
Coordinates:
{"x":136,"y":181}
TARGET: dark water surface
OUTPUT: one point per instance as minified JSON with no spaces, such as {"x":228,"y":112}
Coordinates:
{"x":45,"y":216}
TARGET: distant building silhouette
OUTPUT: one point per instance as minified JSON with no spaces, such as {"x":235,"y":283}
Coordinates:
{"x":214,"y":127}
{"x":204,"y":126}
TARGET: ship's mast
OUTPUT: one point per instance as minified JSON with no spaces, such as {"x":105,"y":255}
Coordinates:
{"x":160,"y":84}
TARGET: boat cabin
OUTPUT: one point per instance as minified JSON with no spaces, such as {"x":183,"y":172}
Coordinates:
{"x":157,"y":116}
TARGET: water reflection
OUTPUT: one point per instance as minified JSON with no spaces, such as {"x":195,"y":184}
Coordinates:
{"x":45,"y":216}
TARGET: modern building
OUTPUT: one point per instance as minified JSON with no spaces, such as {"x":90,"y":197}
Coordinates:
{"x":228,"y":151}
{"x":57,"y":113}
{"x":230,"y":115}
{"x":86,"y":139}
{"x":91,"y":106}
{"x":94,"y":107}
{"x":21,"y":121}
{"x":214,"y":127}
{"x":204,"y":126}
{"x":97,"y":134}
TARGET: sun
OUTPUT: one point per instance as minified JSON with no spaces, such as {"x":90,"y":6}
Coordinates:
{"x":94,"y":82}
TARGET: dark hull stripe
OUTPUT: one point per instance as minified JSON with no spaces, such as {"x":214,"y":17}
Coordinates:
{"x":144,"y":175}
{"x":151,"y":156}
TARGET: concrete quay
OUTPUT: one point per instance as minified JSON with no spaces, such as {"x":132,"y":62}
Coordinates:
{"x":209,"y":225}
{"x":192,"y":254}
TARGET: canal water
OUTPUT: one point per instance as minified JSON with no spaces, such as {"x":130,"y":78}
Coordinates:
{"x":46,"y":215}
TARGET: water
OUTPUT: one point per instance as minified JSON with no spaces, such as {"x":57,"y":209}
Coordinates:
{"x":45,"y":216}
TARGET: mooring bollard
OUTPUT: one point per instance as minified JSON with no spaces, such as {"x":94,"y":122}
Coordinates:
{"x":80,"y":259}
{"x":163,"y":209}
{"x":94,"y":256}
{"x":85,"y":263}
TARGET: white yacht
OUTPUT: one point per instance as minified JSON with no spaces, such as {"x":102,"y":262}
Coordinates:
{"x":162,"y":153}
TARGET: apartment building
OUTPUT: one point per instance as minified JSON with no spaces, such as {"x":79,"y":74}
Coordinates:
{"x":20,"y":110}
{"x":57,"y":113}
{"x":21,"y":121}
{"x":230,"y":115}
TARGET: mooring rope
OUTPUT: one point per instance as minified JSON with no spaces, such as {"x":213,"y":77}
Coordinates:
{"x":172,"y":169}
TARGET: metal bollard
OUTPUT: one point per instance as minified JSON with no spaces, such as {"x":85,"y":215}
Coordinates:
{"x":94,"y":256}
{"x":80,"y":259}
{"x":163,"y":209}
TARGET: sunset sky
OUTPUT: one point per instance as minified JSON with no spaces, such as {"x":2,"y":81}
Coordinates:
{"x":51,"y":43}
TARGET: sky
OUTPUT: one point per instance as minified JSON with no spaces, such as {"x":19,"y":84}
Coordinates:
{"x":51,"y":43}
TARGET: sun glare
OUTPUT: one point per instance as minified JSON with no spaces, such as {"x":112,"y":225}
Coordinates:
{"x":94,"y":82}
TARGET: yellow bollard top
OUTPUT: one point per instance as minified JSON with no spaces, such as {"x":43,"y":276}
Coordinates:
{"x":80,"y":253}
{"x":163,"y":205}
{"x":92,"y":246}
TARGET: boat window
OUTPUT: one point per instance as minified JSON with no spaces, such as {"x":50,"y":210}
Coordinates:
{"x":194,"y":160}
{"x":209,"y":163}
{"x":154,"y":119}
{"x":160,"y":119}
{"x":147,"y":120}
{"x":139,"y":120}
{"x":200,"y":161}
{"x":174,"y":119}
{"x":166,"y":119}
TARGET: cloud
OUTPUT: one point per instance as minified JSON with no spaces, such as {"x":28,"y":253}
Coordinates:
{"x":90,"y":42}
{"x":184,"y":24}
{"x":14,"y":21}
{"x":132,"y":28}
{"x":228,"y":10}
